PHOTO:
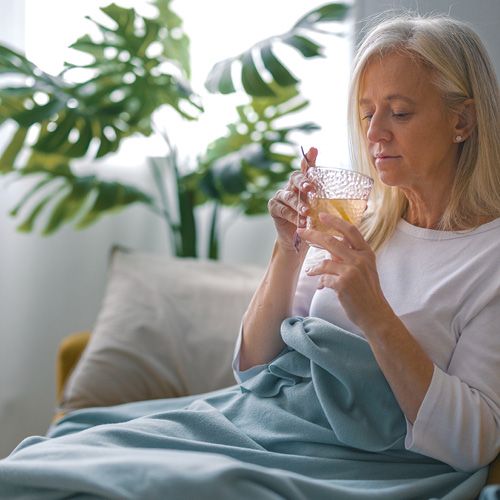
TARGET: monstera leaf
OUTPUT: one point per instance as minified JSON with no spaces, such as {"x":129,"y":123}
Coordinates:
{"x":256,"y":155}
{"x":65,"y":197}
{"x":58,"y":120}
{"x":127,"y":81}
{"x":259,"y":67}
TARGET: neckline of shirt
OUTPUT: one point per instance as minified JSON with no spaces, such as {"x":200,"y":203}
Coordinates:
{"x":434,"y":234}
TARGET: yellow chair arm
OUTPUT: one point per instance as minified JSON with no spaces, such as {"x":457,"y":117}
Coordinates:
{"x":68,"y":354}
{"x":494,"y":472}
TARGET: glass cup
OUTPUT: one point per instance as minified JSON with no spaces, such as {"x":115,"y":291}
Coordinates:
{"x":338,"y":191}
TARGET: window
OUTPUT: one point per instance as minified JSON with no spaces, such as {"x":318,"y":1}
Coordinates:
{"x":217,"y":29}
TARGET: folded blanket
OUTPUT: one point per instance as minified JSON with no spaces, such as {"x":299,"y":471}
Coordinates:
{"x":320,"y":421}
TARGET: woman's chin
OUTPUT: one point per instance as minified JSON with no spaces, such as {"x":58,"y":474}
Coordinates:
{"x":390,"y":179}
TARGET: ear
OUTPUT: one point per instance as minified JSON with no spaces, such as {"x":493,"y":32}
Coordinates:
{"x":465,"y":120}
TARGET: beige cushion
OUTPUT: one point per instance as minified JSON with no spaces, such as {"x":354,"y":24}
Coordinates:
{"x":167,"y":327}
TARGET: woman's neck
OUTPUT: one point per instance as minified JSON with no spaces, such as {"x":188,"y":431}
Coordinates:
{"x":426,"y":212}
{"x":429,"y":216}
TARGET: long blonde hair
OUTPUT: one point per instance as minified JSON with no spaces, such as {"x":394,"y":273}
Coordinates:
{"x":462,"y":70}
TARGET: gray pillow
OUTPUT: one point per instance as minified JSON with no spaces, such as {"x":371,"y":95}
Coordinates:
{"x":167,"y":327}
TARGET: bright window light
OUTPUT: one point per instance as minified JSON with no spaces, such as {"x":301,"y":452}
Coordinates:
{"x":217,"y":29}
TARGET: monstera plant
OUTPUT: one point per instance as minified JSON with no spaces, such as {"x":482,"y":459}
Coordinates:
{"x":137,"y":66}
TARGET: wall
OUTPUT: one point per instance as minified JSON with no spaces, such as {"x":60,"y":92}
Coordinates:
{"x":483,"y":15}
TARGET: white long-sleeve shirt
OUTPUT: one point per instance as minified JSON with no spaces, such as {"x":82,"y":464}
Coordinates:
{"x":445,"y":287}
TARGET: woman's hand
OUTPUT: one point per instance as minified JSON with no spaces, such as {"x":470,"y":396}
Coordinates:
{"x":290,"y":205}
{"x":351,"y":273}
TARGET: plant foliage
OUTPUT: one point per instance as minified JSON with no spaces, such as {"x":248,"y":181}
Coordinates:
{"x":136,"y":66}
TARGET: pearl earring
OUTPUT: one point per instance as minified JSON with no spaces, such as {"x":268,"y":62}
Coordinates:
{"x":459,"y":138}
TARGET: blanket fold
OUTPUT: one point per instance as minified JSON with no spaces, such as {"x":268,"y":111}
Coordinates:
{"x":320,"y":421}
{"x":342,"y":380}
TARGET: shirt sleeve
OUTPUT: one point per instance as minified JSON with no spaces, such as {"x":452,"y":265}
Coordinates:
{"x":459,"y":419}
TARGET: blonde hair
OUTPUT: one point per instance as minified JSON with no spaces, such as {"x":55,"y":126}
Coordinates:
{"x":462,"y":70}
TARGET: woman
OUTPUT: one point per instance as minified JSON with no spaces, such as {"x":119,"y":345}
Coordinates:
{"x":420,"y":280}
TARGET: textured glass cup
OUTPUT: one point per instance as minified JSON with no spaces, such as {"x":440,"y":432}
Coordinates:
{"x":340,"y":192}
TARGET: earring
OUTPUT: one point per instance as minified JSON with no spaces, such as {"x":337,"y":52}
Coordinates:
{"x":459,"y":138}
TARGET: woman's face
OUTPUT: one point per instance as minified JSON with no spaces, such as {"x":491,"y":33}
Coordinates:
{"x":408,"y":129}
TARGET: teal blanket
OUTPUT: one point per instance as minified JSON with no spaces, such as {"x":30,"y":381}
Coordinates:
{"x":320,"y":422}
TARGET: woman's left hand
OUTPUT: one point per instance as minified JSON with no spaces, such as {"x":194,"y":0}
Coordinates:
{"x":351,"y":272}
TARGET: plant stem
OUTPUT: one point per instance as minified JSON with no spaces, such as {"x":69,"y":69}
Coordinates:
{"x":187,"y":223}
{"x":213,"y":243}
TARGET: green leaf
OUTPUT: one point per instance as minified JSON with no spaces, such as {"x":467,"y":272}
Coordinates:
{"x":304,"y":45}
{"x":38,"y":113}
{"x":326,"y":13}
{"x":17,"y":92}
{"x":39,"y":167}
{"x":177,"y":48}
{"x":242,"y":168}
{"x":27,"y":225}
{"x":80,"y":147}
{"x":87,"y":45}
{"x":124,"y":18}
{"x":12,"y":150}
{"x":72,"y":194}
{"x":69,"y":205}
{"x":219,"y":78}
{"x":47,"y":162}
{"x":228,"y":173}
{"x":281,"y":75}
{"x":56,"y":139}
{"x":106,"y":145}
{"x":150,"y":36}
{"x":11,"y":59}
{"x":37,"y":187}
{"x":112,"y":196}
{"x":250,"y":78}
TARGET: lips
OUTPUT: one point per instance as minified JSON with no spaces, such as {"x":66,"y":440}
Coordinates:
{"x":384,"y":159}
{"x":384,"y":156}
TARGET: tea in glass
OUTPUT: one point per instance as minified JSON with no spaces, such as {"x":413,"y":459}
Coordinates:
{"x":340,"y":192}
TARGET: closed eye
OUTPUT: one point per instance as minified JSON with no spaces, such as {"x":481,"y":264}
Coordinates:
{"x":401,"y":116}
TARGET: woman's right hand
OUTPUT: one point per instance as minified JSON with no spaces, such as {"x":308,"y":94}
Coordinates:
{"x":291,"y":204}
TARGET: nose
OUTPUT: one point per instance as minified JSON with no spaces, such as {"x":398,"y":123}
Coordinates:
{"x":378,"y":129}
